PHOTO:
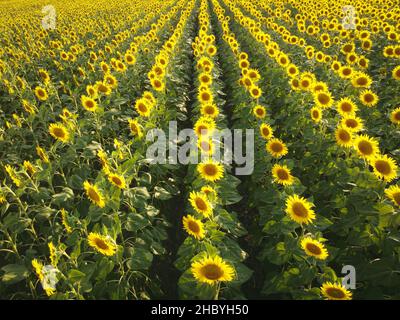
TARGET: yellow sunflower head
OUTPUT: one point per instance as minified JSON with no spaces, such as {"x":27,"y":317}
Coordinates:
{"x":314,"y":248}
{"x":276,"y":148}
{"x":393,"y":193}
{"x":94,"y":194}
{"x":59,"y":132}
{"x":282,"y":175}
{"x":200,"y":203}
{"x":335,"y":291}
{"x":384,"y":167}
{"x":299,"y":209}
{"x":211,"y":270}
{"x":103,"y":244}
{"x":193,"y":226}
{"x":210,"y":170}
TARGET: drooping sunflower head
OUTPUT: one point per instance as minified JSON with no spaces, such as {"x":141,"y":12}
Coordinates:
{"x":193,"y":226}
{"x":200,"y":203}
{"x":59,"y":132}
{"x":210,"y":170}
{"x":94,"y":194}
{"x":211,"y":270}
{"x":384,"y":167}
{"x":276,"y":148}
{"x":314,"y":248}
{"x":42,"y":154}
{"x":299,"y":209}
{"x":335,"y":291}
{"x":282,"y":175}
{"x":393,"y":193}
{"x":366,"y":147}
{"x":103,"y":244}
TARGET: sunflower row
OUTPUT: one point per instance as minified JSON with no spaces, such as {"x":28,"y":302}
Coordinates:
{"x":310,"y":243}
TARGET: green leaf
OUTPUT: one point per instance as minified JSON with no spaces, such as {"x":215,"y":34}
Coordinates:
{"x":14,"y":273}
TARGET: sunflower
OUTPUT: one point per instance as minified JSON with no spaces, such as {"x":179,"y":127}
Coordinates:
{"x":94,"y":194}
{"x":59,"y":132}
{"x":393,"y":193}
{"x":13,"y":175}
{"x":193,"y":226}
{"x":316,"y":114}
{"x":110,"y":80}
{"x":314,"y":248}
{"x":346,"y":106}
{"x":384,"y":167}
{"x":148,"y":95}
{"x":143,"y":107}
{"x":259,"y":111}
{"x":266,"y":131}
{"x":42,"y":154}
{"x":323,"y":99}
{"x":103,"y":244}
{"x":366,"y":147}
{"x":205,"y":97}
{"x":361,"y":80}
{"x":299,"y":209}
{"x":92,"y":91}
{"x":276,"y":148}
{"x":368,"y":98}
{"x":157,"y":84}
{"x":205,"y":79}
{"x":210,"y":192}
{"x":211,"y":270}
{"x":135,"y":128}
{"x":200,"y":203}
{"x":129,"y":58}
{"x":204,"y":126}
{"x":89,"y":103}
{"x":210,"y":170}
{"x":396,"y":73}
{"x":209,"y":110}
{"x":335,"y":291}
{"x":206,"y":145}
{"x":117,"y":180}
{"x":352,"y":123}
{"x":41,"y":94}
{"x":345,"y":72}
{"x":103,"y":88}
{"x":282,"y":175}
{"x":255,"y":92}
{"x":395,"y":116}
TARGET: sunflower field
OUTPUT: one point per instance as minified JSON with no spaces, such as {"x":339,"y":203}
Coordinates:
{"x":86,"y":214}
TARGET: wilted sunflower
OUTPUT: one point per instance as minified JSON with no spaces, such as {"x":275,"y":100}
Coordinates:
{"x":335,"y":291}
{"x":346,"y":106}
{"x":103,"y":244}
{"x":30,"y":169}
{"x":316,"y":114}
{"x":395,"y":116}
{"x":282,"y":175}
{"x":94,"y":194}
{"x":384,"y":167}
{"x":117,"y":180}
{"x":393,"y":193}
{"x":210,"y":170}
{"x":193,"y":226}
{"x":299,"y":209}
{"x":210,"y":270}
{"x":314,"y":248}
{"x":135,"y":128}
{"x":200,"y":203}
{"x":366,"y":147}
{"x":344,"y":137}
{"x":41,"y":94}
{"x":276,"y":148}
{"x":259,"y":111}
{"x":89,"y":103}
{"x":266,"y":131}
{"x":368,"y":98}
{"x":59,"y":132}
